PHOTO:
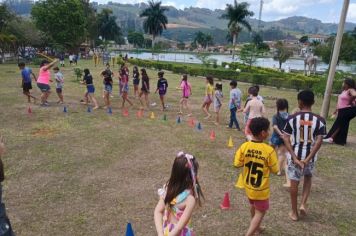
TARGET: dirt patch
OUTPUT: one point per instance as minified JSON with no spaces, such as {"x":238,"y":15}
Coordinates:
{"x":44,"y":132}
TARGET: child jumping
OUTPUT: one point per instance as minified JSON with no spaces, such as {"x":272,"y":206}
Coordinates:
{"x":307,"y":130}
{"x":209,"y":93}
{"x":255,"y":108}
{"x":218,"y":101}
{"x":88,"y":81}
{"x":178,"y":198}
{"x":257,"y":160}
{"x":58,"y":76}
{"x":26,"y":74}
{"x":279,"y":121}
{"x":162,"y":86}
{"x":234,"y":104}
{"x":186,"y":93}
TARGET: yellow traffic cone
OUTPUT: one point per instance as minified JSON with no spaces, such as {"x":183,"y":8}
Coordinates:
{"x":152,"y":115}
{"x":230,"y":143}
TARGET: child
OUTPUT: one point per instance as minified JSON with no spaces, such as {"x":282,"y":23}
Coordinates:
{"x":26,"y":74}
{"x":208,"y":96}
{"x":44,"y":77}
{"x":124,"y":75}
{"x":218,"y":101}
{"x":260,"y":98}
{"x":107,"y":81}
{"x":178,"y":198}
{"x":255,"y":108}
{"x":88,"y":81}
{"x":145,"y":88}
{"x":307,"y":130}
{"x":279,"y":121}
{"x":61,"y":60}
{"x":162,"y":86}
{"x":186,"y":92}
{"x":234,"y":104}
{"x":58,"y":76}
{"x":257,"y":160}
{"x":136,"y":80}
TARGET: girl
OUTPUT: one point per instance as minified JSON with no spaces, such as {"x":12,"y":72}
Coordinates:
{"x":178,"y":198}
{"x":254,"y":108}
{"x":124,"y":75}
{"x":107,"y":81}
{"x":279,"y":121}
{"x":136,"y":80}
{"x":187,"y":91}
{"x":145,"y":89}
{"x":43,"y":80}
{"x":345,"y":111}
{"x":208,"y":96}
{"x":88,"y":81}
{"x":162,"y":86}
{"x":218,"y":101}
{"x":58,"y":76}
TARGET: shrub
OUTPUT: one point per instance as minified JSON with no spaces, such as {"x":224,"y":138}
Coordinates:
{"x":297,"y":83}
{"x":277,"y":82}
{"x":260,"y":79}
{"x":78,"y":72}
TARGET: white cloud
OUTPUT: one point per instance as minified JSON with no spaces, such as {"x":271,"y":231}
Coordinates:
{"x":351,"y":15}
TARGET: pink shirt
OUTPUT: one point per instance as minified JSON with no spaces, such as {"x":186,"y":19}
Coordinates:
{"x":44,"y":76}
{"x":255,"y":108}
{"x":344,"y":100}
{"x":185,"y":86}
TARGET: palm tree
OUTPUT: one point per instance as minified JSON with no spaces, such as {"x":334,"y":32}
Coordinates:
{"x":155,"y":19}
{"x":237,"y":15}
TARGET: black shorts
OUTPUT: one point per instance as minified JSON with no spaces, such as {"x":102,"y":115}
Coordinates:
{"x":59,"y":90}
{"x":27,"y":87}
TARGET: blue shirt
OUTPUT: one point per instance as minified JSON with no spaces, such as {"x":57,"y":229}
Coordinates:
{"x":26,"y":75}
{"x":235,"y":98}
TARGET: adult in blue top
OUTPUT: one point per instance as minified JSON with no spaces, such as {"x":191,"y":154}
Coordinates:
{"x":26,"y":84}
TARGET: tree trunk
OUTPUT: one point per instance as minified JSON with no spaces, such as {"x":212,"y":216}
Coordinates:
{"x":280,"y":65}
{"x":153,"y":40}
{"x":234,"y":36}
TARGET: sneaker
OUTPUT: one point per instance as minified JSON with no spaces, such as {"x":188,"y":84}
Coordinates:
{"x":328,"y":140}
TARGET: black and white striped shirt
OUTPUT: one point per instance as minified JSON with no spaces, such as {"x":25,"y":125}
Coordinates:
{"x":304,"y":127}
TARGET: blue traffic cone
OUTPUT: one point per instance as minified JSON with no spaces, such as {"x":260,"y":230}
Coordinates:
{"x":129,"y":230}
{"x":178,"y":120}
{"x":109,"y":110}
{"x":65,"y":109}
{"x":89,"y":109}
{"x":199,"y":126}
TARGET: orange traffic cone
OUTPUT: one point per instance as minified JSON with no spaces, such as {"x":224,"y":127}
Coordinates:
{"x":212,"y":135}
{"x":29,"y":110}
{"x":225,"y":205}
{"x":139,"y":114}
{"x":125,"y":113}
{"x":191,"y":122}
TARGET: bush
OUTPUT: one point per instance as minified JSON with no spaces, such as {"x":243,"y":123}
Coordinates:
{"x":297,"y":83}
{"x":277,"y":82}
{"x":78,"y":72}
{"x":260,"y":79}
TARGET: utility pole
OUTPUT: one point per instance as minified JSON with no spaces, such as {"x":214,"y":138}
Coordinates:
{"x":260,"y":15}
{"x":334,"y":60}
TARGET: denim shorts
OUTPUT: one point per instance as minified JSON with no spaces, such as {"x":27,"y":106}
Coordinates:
{"x":43,"y":87}
{"x":276,"y":140}
{"x":295,"y":173}
{"x":90,"y":88}
{"x":108,"y":88}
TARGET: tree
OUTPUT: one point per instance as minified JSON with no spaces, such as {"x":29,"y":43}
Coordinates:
{"x":136,"y":38}
{"x":237,"y":15}
{"x":155,"y":19}
{"x":282,"y":53}
{"x":181,"y":45}
{"x":7,"y":40}
{"x":62,"y":21}
{"x":91,"y":28}
{"x":258,"y":42}
{"x":203,"y":39}
{"x":304,"y":39}
{"x":249,"y":54}
{"x":108,"y":28}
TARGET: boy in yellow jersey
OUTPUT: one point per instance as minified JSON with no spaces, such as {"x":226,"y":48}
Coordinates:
{"x":258,"y":160}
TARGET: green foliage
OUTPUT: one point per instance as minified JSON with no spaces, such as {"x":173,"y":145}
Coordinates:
{"x":108,"y":29}
{"x":136,"y":38}
{"x":203,"y":39}
{"x":181,"y":45}
{"x":78,"y":72}
{"x":304,"y":39}
{"x":63,"y":22}
{"x":249,"y":54}
{"x":282,"y":53}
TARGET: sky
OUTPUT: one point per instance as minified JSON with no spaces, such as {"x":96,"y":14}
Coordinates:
{"x":324,"y":10}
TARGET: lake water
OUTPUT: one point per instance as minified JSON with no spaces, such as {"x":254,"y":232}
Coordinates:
{"x":294,"y":64}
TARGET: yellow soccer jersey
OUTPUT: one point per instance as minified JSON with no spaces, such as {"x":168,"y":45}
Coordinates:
{"x":258,"y":160}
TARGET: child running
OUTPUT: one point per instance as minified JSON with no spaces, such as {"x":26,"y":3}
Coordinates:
{"x":162,"y":86}
{"x":107,"y":81}
{"x":257,"y":160}
{"x":209,"y":93}
{"x":279,"y":121}
{"x":186,"y":93}
{"x":124,"y":75}
{"x":26,"y":74}
{"x":88,"y":81}
{"x":58,"y":77}
{"x":307,"y":130}
{"x":255,"y":108}
{"x":234,"y":104}
{"x":136,"y":80}
{"x":43,"y":80}
{"x":145,"y":88}
{"x":218,"y":101}
{"x":178,"y":198}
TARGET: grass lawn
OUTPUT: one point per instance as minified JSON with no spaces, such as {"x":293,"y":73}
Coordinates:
{"x":80,"y":173}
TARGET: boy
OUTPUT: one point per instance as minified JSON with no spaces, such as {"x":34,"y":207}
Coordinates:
{"x":58,"y":76}
{"x":162,"y":86}
{"x":307,"y":130}
{"x":258,"y":160}
{"x":26,"y":74}
{"x":234,"y":104}
{"x":61,"y":59}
